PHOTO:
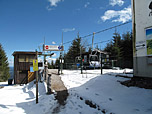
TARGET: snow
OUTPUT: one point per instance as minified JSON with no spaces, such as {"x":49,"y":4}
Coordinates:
{"x":104,"y":91}
{"x":21,"y":99}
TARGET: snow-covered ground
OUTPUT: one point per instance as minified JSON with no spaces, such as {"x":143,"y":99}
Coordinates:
{"x":21,"y":100}
{"x":103,"y":91}
{"x":106,"y":92}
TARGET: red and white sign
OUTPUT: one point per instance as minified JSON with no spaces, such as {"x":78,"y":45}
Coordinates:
{"x":53,"y":48}
{"x":46,"y":47}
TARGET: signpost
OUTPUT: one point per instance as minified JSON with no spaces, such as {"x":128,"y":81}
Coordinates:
{"x":35,"y":68}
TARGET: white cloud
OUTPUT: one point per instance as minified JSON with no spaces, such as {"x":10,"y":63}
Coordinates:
{"x":53,"y":42}
{"x":116,"y":2}
{"x":54,"y":2}
{"x":118,"y":16}
{"x":86,"y":5}
{"x":68,"y":29}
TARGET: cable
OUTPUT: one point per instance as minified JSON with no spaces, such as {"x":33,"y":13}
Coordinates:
{"x":100,"y":31}
{"x":99,"y":42}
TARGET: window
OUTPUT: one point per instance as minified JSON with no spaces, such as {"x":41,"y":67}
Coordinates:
{"x":26,"y":58}
{"x":21,"y":58}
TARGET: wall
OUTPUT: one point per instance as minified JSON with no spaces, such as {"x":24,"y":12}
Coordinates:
{"x":141,"y":21}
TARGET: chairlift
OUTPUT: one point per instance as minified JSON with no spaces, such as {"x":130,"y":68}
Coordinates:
{"x":93,"y":56}
{"x":77,"y":60}
{"x":93,"y":59}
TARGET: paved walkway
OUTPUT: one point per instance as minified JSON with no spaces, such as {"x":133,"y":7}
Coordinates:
{"x":58,"y":86}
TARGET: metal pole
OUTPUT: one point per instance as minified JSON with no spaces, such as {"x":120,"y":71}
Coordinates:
{"x":112,"y":63}
{"x":81,"y":59}
{"x":101,"y":63}
{"x":59,"y":65}
{"x":62,"y":55}
{"x":93,"y":39}
{"x":44,"y":67}
{"x":36,"y":81}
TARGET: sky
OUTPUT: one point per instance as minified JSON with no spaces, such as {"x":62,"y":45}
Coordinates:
{"x":25,"y":23}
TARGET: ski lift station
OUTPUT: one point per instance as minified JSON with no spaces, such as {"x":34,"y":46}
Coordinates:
{"x":93,"y":60}
{"x":23,"y":67}
{"x":142,"y":33}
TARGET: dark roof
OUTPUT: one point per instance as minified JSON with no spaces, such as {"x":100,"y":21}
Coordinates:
{"x":25,"y":53}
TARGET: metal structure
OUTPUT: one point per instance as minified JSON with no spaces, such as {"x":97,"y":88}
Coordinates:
{"x":93,"y":60}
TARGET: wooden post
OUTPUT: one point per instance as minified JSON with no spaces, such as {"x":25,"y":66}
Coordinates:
{"x":36,"y":81}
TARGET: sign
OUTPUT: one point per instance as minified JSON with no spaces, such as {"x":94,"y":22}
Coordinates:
{"x":53,"y":48}
{"x":35,"y":65}
{"x":31,"y":69}
{"x":140,"y":45}
{"x":46,"y":47}
{"x":149,"y":41}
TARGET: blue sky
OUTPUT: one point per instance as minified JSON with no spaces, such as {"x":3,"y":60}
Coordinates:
{"x":25,"y":23}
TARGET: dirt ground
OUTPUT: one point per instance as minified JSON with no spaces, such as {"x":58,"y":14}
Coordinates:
{"x":139,"y":82}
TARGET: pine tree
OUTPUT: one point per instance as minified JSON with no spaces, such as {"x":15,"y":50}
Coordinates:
{"x":120,"y":49}
{"x":4,"y":65}
{"x":114,"y":48}
{"x":74,"y":50}
{"x":117,"y":45}
{"x":127,"y":50}
{"x":57,"y":63}
{"x":51,"y":66}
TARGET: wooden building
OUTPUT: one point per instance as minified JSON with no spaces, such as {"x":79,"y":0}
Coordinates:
{"x":22,"y":63}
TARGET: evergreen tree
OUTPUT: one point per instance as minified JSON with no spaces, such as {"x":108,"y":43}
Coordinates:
{"x":51,"y":66}
{"x":56,"y":63}
{"x":90,"y":50}
{"x":74,"y":50}
{"x":127,"y":50}
{"x":4,"y":65}
{"x":114,"y":48}
{"x":120,"y":49}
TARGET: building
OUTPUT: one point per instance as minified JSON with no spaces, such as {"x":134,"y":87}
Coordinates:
{"x":142,"y":37}
{"x":23,"y":62}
